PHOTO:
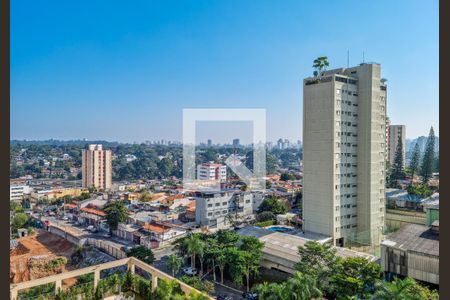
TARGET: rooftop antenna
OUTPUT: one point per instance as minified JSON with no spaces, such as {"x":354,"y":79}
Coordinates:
{"x":348,"y":58}
{"x":363,"y":57}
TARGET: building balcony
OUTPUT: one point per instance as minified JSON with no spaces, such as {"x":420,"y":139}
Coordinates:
{"x":109,"y":289}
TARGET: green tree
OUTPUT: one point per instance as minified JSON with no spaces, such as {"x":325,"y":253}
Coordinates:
{"x":272,"y":291}
{"x":287,"y":176}
{"x":116,"y":213}
{"x":415,"y":160}
{"x":265,"y":216}
{"x":318,"y":260}
{"x":194,"y":246}
{"x":174,"y":263}
{"x":145,"y":196}
{"x":142,"y":253}
{"x":211,"y":252}
{"x":227,"y":238}
{"x":397,"y":171}
{"x":355,"y":276}
{"x":168,"y":290}
{"x":402,"y":289}
{"x":273,"y":205}
{"x":221,"y":261}
{"x":320,"y":64}
{"x":302,"y":287}
{"x":426,"y":169}
{"x":18,"y":221}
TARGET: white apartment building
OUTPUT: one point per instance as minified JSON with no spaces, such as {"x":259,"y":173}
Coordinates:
{"x":388,"y":124}
{"x":344,"y":119}
{"x":211,"y":171}
{"x":96,"y":167}
{"x":17,"y":192}
{"x":396,"y":132}
{"x":212,"y":208}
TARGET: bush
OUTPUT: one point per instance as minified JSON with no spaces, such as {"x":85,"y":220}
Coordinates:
{"x":420,"y":190}
{"x":273,"y":205}
{"x":265,"y":216}
{"x":55,"y":263}
{"x":265,"y":223}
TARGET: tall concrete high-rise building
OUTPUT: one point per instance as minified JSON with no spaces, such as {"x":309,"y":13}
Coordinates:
{"x":388,"y":124}
{"x":236,"y":143}
{"x":396,"y":132}
{"x":96,"y":167}
{"x":344,"y":136}
{"x":280,"y":144}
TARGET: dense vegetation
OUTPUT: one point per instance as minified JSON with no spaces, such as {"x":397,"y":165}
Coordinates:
{"x":321,"y":273}
{"x":148,"y":161}
{"x":237,"y":256}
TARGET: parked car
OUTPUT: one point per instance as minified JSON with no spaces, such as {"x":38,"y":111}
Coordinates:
{"x":190,"y":271}
{"x":126,"y":248}
{"x":91,"y":229}
{"x":250,"y":295}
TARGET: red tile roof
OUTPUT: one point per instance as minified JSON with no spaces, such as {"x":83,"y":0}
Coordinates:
{"x":93,"y":211}
{"x":156,"y":228}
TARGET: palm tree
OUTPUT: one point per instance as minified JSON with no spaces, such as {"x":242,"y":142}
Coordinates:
{"x":398,"y":289}
{"x":302,"y":287}
{"x":250,"y":266}
{"x":320,"y":64}
{"x":272,"y":291}
{"x":174,"y":263}
{"x":194,"y":246}
{"x":210,"y":255}
{"x":221,"y":261}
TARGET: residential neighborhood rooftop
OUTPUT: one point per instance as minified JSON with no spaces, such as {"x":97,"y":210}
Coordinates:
{"x":414,"y":237}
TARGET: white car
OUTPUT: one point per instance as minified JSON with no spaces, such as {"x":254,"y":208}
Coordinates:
{"x":190,"y":271}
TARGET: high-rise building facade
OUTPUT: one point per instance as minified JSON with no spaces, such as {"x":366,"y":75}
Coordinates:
{"x":236,"y":143}
{"x":96,"y":167}
{"x":396,"y":132}
{"x":388,"y":124}
{"x":211,"y":171}
{"x":344,"y":136}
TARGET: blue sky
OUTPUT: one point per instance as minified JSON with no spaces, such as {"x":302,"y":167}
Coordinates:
{"x":124,"y":70}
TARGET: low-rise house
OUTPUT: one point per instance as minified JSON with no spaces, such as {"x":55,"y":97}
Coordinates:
{"x":128,"y":232}
{"x":398,"y":198}
{"x":50,"y":193}
{"x":91,"y":215}
{"x":413,"y":251}
{"x":160,"y":233}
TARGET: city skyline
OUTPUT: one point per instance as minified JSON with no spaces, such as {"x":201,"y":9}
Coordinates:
{"x":126,"y":73}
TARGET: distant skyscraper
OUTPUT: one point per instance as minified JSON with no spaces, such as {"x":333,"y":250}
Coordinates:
{"x":209,"y":143}
{"x":236,"y":143}
{"x":299,"y":144}
{"x":269,"y":146}
{"x":280,"y":144}
{"x":344,"y":138}
{"x":96,"y":167}
{"x":396,"y":132}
